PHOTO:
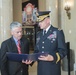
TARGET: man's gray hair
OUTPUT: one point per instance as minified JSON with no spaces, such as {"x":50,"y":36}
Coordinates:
{"x":15,"y":24}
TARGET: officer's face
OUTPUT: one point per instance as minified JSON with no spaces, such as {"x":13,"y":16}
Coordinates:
{"x":17,"y":32}
{"x":45,"y":23}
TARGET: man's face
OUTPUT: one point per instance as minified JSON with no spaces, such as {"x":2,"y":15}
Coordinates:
{"x":44,"y":24}
{"x":17,"y":32}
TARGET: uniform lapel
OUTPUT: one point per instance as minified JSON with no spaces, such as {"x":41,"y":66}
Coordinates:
{"x":41,"y":35}
{"x":48,"y":33}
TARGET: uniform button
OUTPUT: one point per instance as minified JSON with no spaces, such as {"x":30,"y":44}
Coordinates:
{"x":43,"y":42}
{"x":42,"y":46}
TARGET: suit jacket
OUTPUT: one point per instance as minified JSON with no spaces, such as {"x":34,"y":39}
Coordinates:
{"x":53,"y":42}
{"x":12,"y":67}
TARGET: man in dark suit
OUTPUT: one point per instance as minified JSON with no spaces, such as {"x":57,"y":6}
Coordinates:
{"x":11,"y":45}
{"x":51,"y":40}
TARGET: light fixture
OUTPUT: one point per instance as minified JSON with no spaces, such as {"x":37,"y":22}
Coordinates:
{"x":67,"y":8}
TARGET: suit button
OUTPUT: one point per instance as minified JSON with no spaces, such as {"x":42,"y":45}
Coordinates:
{"x":21,"y":71}
{"x":42,"y":46}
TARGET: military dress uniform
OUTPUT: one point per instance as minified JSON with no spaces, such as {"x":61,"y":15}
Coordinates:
{"x":52,"y":42}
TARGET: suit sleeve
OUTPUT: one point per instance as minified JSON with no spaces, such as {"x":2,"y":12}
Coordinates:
{"x":61,"y":46}
{"x":4,"y":67}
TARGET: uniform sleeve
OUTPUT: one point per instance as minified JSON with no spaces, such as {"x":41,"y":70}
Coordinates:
{"x":36,"y":48}
{"x":61,"y":46}
{"x":62,"y":49}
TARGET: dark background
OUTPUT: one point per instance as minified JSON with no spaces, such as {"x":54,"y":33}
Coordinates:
{"x":34,"y":2}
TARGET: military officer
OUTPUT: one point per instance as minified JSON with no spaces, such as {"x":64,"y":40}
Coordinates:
{"x":51,"y":40}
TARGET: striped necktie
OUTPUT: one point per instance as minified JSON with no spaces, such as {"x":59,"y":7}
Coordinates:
{"x":18,"y":47}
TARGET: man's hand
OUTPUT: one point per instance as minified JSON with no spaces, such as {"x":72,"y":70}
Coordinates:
{"x":46,"y":58}
{"x":27,"y":61}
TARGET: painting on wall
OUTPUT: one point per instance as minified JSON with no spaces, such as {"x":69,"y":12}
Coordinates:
{"x":29,"y":14}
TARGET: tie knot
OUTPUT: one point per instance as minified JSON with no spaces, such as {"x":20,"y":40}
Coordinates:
{"x":44,"y":32}
{"x":18,"y":41}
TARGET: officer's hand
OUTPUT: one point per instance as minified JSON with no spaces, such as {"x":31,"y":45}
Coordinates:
{"x":27,"y":61}
{"x":46,"y":58}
